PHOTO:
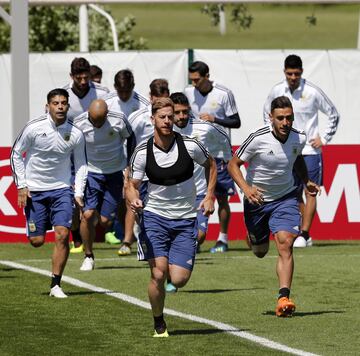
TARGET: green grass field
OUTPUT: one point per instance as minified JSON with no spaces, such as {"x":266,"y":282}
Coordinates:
{"x":174,"y":26}
{"x":234,"y":288}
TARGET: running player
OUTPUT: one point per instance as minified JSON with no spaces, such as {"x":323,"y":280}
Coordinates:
{"x":168,"y":215}
{"x":43,"y":178}
{"x":270,"y":203}
{"x":213,"y":102}
{"x":307,"y":100}
{"x":105,"y":133}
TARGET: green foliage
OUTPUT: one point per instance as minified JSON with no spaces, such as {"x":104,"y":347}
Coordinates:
{"x":239,"y":14}
{"x":56,"y":28}
{"x":241,"y":17}
{"x":311,"y":20}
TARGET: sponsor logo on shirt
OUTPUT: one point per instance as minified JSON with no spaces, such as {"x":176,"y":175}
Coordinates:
{"x":271,"y":153}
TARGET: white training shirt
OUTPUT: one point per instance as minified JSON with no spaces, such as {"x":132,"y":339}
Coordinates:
{"x":220,"y":102}
{"x":104,"y":145}
{"x":141,"y":125}
{"x":48,"y":148}
{"x":136,"y":102}
{"x":270,"y":161}
{"x":79,"y":105}
{"x":214,"y":138}
{"x":175,"y":201}
{"x":307,"y":100}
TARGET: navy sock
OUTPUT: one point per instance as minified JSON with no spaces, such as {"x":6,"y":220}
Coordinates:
{"x":284,"y":292}
{"x":305,"y":234}
{"x":55,"y":280}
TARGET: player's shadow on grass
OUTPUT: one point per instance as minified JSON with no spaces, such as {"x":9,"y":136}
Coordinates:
{"x":334,"y":244}
{"x":302,"y":314}
{"x":215,"y":291}
{"x":200,"y":331}
{"x":122,"y":267}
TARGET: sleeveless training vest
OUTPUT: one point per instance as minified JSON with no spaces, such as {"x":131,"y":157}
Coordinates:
{"x":179,"y":172}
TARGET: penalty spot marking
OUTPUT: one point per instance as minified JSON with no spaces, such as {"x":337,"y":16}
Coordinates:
{"x":229,"y":329}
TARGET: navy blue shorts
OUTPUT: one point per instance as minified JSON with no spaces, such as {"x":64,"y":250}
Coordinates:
{"x":163,"y":237}
{"x":314,"y":165}
{"x":103,"y":193}
{"x":279,"y":215}
{"x":202,"y":221}
{"x":47,"y":209}
{"x":224,"y":183}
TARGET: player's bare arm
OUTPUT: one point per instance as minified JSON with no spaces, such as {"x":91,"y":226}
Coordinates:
{"x":252,"y":193}
{"x":132,"y":195}
{"x":211,"y":174}
{"x":301,"y":171}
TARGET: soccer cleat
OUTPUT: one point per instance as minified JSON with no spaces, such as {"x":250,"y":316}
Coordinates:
{"x":170,"y":288}
{"x":88,"y":264}
{"x":124,"y":250}
{"x":111,"y":239}
{"x":219,"y":247}
{"x":285,"y":307}
{"x":57,"y":292}
{"x":161,"y":330}
{"x":74,"y":249}
{"x":301,"y":242}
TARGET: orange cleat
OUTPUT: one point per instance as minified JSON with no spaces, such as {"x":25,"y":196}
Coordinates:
{"x":285,"y":307}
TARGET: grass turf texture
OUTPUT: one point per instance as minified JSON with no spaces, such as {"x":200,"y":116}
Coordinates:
{"x":174,"y":26}
{"x":235,"y":288}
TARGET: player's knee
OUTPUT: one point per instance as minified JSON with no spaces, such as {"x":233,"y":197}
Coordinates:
{"x":180,"y":282}
{"x":37,"y":241}
{"x":61,"y":234}
{"x":89,"y":216}
{"x":158,"y":276}
{"x":105,"y":222}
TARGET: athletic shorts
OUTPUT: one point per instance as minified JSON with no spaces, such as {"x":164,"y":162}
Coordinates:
{"x":224,"y":183}
{"x":279,"y":215}
{"x":314,"y":165}
{"x":103,"y":193}
{"x":163,"y":237}
{"x":202,"y":221}
{"x":47,"y":209}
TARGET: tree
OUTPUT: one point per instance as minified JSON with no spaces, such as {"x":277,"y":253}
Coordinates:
{"x":56,"y":28}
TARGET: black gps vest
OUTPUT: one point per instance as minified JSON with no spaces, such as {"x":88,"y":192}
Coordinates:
{"x":179,"y":172}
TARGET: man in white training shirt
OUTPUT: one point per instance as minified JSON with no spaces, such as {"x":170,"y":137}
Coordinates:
{"x":307,"y":99}
{"x":43,"y":178}
{"x":216,"y":141}
{"x":125,"y":100}
{"x":168,"y":215}
{"x":210,"y":101}
{"x":105,"y":133}
{"x":270,"y":204}
{"x":81,"y":90}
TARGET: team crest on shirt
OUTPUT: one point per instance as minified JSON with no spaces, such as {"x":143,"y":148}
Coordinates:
{"x":67,"y":136}
{"x":111,"y":133}
{"x":32,"y":226}
{"x":295,"y":152}
{"x":213,"y":104}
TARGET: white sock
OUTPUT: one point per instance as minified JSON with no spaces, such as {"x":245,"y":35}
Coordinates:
{"x":223,"y":237}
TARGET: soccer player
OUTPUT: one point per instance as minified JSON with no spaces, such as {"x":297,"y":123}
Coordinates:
{"x":216,"y":141}
{"x":143,"y":129}
{"x":95,"y":74}
{"x":105,"y":133}
{"x":213,"y":102}
{"x":307,"y":99}
{"x":82,"y":91}
{"x":125,"y":100}
{"x":43,"y":178}
{"x":168,"y":215}
{"x":270,"y":203}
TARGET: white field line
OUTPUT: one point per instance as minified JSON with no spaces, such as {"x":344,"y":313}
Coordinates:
{"x":124,"y":297}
